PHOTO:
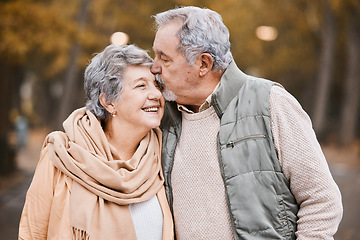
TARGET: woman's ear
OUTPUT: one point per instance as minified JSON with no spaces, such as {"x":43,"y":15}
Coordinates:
{"x":109,"y":107}
{"x":206,"y":64}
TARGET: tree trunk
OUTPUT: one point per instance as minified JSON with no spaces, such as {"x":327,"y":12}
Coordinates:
{"x":72,"y":72}
{"x":7,"y":152}
{"x":351,"y":103}
{"x":327,"y":60}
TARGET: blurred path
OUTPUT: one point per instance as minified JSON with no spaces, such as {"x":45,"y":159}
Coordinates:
{"x":344,"y":165}
{"x":13,"y":188}
{"x":348,"y":181}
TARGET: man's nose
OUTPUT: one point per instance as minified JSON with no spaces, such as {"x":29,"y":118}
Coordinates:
{"x":155,"y":68}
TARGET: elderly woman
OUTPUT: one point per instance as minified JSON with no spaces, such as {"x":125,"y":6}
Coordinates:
{"x":101,"y":178}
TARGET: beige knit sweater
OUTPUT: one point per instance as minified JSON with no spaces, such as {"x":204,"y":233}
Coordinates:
{"x":200,"y":210}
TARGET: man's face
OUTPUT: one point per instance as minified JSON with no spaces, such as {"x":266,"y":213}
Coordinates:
{"x":171,"y":66}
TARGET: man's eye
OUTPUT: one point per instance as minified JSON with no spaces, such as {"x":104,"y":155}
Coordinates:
{"x":165,"y":59}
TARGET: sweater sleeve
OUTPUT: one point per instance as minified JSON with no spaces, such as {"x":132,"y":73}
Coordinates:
{"x":304,"y":165}
{"x":36,"y":212}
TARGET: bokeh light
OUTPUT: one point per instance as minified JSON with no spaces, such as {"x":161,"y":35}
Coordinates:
{"x":266,"y":33}
{"x":119,"y":38}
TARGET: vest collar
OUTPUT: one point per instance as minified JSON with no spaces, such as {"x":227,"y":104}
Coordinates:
{"x":230,"y":83}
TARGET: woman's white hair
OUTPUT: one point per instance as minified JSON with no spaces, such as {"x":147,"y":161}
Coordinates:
{"x":202,"y":31}
{"x":104,"y":75}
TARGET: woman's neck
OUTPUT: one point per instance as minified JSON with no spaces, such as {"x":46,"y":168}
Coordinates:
{"x":125,"y":141}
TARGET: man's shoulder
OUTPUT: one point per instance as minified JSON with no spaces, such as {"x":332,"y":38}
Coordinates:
{"x":260,"y":81}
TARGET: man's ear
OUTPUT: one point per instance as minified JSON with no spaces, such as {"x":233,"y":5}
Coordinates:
{"x":109,"y":107}
{"x":206,"y":64}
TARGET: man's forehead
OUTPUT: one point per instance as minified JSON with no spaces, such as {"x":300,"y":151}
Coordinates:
{"x":169,"y":29}
{"x":166,"y":40}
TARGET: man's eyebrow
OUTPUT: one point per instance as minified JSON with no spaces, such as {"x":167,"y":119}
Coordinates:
{"x":161,"y":53}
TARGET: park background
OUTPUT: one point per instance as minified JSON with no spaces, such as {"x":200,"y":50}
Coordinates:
{"x":311,"y":47}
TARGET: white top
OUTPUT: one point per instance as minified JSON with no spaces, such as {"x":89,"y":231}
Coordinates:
{"x":148,"y":219}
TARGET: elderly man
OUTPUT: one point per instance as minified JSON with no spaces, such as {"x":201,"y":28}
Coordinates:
{"x":240,"y":157}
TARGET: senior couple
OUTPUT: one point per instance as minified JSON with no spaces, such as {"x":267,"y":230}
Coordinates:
{"x":233,"y":157}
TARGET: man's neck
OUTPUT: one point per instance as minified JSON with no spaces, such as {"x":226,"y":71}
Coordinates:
{"x":202,"y":92}
{"x":194,"y":108}
{"x":205,"y":103}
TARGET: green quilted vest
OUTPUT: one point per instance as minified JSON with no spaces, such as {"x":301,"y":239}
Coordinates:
{"x":260,"y":203}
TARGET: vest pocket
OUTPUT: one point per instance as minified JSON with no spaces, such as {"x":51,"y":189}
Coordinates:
{"x":286,"y":228}
{"x":251,"y":137}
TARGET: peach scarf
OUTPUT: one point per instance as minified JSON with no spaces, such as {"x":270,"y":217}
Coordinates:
{"x":103,"y":184}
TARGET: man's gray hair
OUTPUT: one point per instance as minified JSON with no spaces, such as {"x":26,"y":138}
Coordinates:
{"x":104,"y":74}
{"x":202,"y":31}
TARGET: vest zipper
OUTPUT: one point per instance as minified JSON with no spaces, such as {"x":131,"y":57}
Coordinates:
{"x":232,"y":143}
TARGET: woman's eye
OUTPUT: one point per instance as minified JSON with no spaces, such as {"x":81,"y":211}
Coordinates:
{"x":140,"y":85}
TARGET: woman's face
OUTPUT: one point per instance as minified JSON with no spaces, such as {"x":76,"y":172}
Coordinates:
{"x":141,"y":104}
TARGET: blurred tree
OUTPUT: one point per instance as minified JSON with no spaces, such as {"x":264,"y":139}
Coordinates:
{"x":306,"y":57}
{"x":328,"y":33}
{"x":7,"y":160}
{"x":351,"y":101}
{"x":23,"y":34}
{"x":35,"y":37}
{"x":291,"y":58}
{"x":72,"y":71}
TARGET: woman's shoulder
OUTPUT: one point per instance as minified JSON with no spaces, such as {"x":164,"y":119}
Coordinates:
{"x":57,"y":137}
{"x":47,"y":168}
